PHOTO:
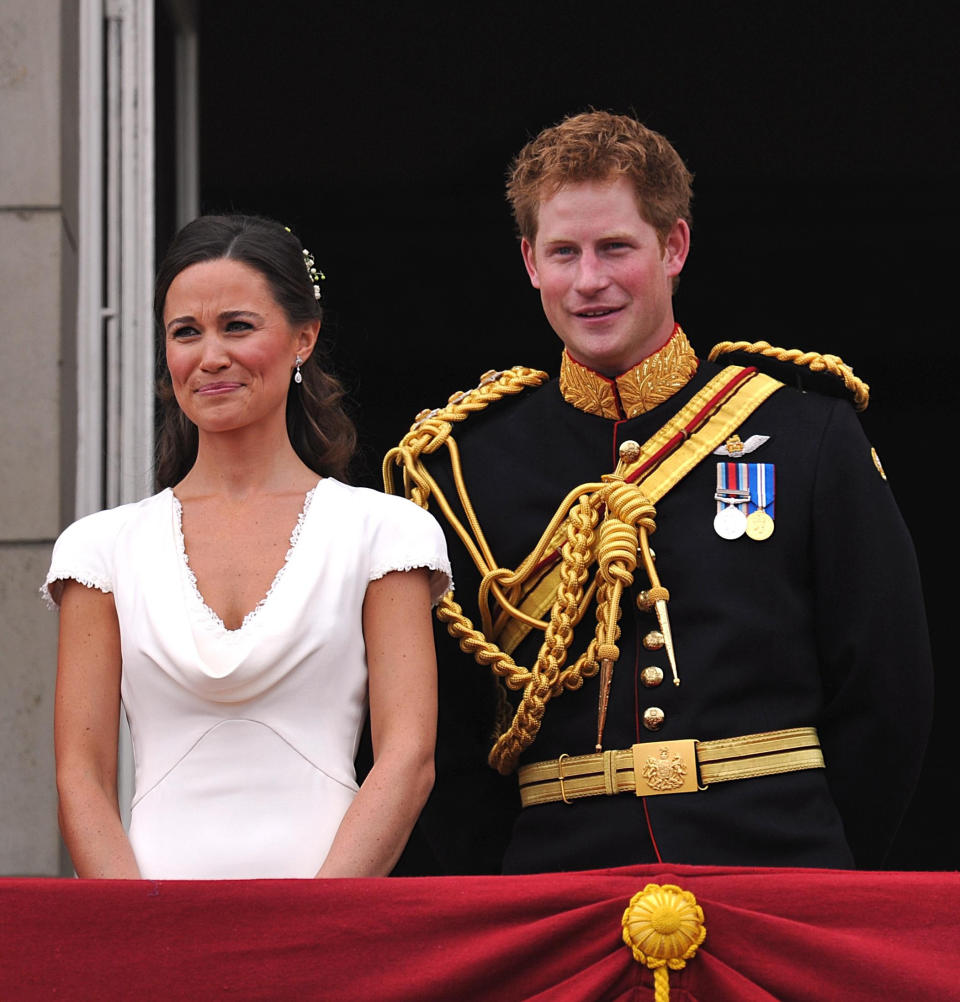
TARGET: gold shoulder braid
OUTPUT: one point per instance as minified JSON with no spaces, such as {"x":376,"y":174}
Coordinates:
{"x":813,"y":360}
{"x":571,"y":538}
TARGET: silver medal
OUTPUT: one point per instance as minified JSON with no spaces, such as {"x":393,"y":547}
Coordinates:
{"x":730,"y":523}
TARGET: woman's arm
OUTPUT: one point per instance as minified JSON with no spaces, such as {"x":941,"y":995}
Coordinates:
{"x":86,"y":721}
{"x":402,"y":668}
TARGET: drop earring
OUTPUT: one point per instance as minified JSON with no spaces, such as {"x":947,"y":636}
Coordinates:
{"x":297,"y":376}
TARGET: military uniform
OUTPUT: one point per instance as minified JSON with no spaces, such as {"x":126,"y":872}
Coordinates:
{"x":820,"y":625}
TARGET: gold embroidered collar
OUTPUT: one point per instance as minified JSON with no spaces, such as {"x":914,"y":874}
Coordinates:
{"x":635,"y":391}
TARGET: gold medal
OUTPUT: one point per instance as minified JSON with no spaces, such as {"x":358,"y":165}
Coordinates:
{"x":759,"y":525}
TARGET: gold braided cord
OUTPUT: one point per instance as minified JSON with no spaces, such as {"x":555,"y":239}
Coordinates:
{"x":625,"y":514}
{"x":661,"y":985}
{"x":432,"y":430}
{"x":503,"y":584}
{"x":812,"y":360}
{"x":614,"y":549}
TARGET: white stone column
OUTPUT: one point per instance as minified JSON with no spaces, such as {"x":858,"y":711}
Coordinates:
{"x":38,"y":229}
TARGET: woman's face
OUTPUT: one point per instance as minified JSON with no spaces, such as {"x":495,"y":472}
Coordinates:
{"x":230,"y":348}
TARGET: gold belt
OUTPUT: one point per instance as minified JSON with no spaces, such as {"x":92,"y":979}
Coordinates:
{"x":654,"y":767}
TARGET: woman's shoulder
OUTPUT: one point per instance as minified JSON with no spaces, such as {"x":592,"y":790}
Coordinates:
{"x":395,"y":533}
{"x":109,"y":522}
{"x":367,"y":503}
{"x":85,"y":550}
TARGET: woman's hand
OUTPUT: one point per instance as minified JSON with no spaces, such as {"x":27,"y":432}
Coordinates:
{"x":402,"y":668}
{"x":86,"y":722}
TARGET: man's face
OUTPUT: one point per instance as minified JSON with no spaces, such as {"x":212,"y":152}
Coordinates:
{"x":605,"y":281}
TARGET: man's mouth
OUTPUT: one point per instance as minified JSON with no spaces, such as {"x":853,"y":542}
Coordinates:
{"x":599,"y":311}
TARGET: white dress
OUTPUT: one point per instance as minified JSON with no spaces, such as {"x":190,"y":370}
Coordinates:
{"x":244,"y":740}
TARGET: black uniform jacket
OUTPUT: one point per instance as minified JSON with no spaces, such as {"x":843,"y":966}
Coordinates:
{"x":820,"y":625}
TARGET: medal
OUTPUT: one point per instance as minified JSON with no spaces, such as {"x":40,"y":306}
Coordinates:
{"x":744,"y":496}
{"x":760,"y":521}
{"x":730,"y":523}
{"x":732,"y":496}
{"x":759,"y":525}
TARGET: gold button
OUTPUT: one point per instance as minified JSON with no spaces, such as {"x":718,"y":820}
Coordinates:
{"x":630,"y":451}
{"x":651,"y":676}
{"x":653,"y":641}
{"x":653,"y":718}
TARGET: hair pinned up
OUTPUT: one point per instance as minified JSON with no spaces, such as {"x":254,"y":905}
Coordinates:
{"x":321,"y":433}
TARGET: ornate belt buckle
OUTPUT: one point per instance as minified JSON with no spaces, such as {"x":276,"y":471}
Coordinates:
{"x":665,"y":767}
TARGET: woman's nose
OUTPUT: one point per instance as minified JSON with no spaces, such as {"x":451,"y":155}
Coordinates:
{"x":215,"y":355}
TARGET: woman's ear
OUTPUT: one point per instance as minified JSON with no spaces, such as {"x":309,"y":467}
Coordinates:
{"x":307,"y":339}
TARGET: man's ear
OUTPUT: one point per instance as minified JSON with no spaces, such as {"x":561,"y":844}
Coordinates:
{"x":529,"y":261}
{"x":676,"y":248}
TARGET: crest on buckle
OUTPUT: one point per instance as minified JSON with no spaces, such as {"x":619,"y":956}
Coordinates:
{"x":664,"y":773}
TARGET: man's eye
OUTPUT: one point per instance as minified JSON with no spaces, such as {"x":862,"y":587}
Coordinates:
{"x":563,"y":251}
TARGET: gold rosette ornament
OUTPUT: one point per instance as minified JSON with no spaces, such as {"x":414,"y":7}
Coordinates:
{"x":663,"y":926}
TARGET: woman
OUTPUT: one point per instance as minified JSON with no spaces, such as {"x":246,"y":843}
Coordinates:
{"x":246,"y":654}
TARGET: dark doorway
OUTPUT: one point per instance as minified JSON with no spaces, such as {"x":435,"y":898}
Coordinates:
{"x":820,"y":136}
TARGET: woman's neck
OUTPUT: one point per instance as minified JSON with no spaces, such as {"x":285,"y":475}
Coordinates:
{"x":239,"y":464}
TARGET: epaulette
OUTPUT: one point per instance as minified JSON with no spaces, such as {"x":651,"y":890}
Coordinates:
{"x":431,"y":428}
{"x":832,"y":366}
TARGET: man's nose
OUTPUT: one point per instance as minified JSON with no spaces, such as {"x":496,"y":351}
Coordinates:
{"x":591,"y":274}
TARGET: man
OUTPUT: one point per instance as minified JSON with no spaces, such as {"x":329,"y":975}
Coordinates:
{"x":758,"y":691}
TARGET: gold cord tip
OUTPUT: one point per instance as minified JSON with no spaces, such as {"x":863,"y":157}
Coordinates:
{"x":664,"y":620}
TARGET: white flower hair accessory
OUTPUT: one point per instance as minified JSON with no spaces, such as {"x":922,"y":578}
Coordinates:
{"x":315,"y":275}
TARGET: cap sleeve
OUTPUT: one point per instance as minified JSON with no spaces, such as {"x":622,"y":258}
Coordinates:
{"x":84,"y":553}
{"x":408,"y":538}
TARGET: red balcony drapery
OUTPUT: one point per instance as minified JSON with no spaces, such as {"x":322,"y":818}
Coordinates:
{"x":781,"y":935}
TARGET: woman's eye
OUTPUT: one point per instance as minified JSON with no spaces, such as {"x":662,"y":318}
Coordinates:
{"x":236,"y":326}
{"x":182,"y":333}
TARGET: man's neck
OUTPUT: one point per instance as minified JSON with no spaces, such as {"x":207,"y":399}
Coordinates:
{"x":636,"y":391}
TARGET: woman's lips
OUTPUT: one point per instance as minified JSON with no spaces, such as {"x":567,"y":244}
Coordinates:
{"x":213,"y":389}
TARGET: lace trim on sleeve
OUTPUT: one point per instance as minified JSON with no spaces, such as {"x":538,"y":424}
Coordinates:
{"x":51,"y":590}
{"x":441,"y":579}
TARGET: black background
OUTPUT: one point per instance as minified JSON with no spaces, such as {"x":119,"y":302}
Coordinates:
{"x":821,"y":137}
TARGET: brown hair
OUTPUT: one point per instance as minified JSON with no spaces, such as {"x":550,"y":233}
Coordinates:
{"x":321,"y":433}
{"x":600,"y":146}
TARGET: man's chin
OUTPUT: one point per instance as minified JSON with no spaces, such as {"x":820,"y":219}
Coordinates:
{"x":616,"y":359}
{"x":610,"y":363}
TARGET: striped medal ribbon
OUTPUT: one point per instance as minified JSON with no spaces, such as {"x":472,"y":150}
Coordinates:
{"x":732,"y":496}
{"x":762,"y":489}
